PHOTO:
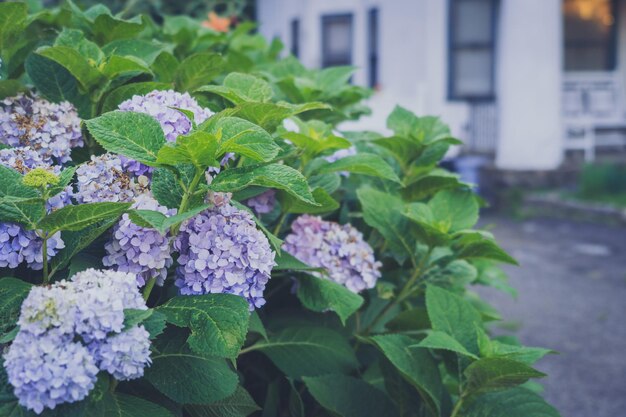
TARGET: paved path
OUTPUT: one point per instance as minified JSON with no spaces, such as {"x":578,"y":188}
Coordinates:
{"x":572,"y":298}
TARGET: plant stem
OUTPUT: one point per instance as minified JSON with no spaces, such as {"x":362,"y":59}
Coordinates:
{"x":457,"y":407}
{"x":280,"y":223}
{"x":248,"y":349}
{"x":44,"y":249}
{"x":148,"y":288}
{"x":184,"y":204}
{"x":404,"y":292}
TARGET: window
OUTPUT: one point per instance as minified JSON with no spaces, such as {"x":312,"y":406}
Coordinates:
{"x":372,"y":46}
{"x":471,"y":66}
{"x":336,"y":40}
{"x":590,"y":35}
{"x":295,"y":37}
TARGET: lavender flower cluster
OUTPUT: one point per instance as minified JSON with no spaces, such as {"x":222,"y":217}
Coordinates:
{"x":262,"y":203}
{"x":222,"y":251}
{"x":141,"y":251}
{"x":51,"y":129}
{"x":162,"y":106}
{"x":104,"y":179}
{"x":17,"y":244}
{"x":340,"y":249}
{"x":71,"y":330}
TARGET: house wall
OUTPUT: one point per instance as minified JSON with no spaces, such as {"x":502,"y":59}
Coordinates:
{"x":412,"y":52}
{"x":413,"y":55}
{"x":529,"y":85}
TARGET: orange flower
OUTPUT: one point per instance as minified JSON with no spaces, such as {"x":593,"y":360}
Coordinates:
{"x":217,"y":23}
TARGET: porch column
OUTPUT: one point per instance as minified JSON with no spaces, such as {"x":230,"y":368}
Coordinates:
{"x":529,"y":85}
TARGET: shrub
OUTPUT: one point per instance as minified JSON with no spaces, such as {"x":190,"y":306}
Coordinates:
{"x":345,"y":290}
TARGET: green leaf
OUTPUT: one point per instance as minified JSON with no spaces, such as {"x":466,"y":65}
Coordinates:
{"x":118,"y":66}
{"x":12,"y":21}
{"x":430,"y":184}
{"x":166,"y":188}
{"x":75,"y":218}
{"x":133,"y":317}
{"x":490,"y":374}
{"x":430,"y":231}
{"x":189,"y":378}
{"x":325,"y":203}
{"x":256,"y":325}
{"x":74,"y":62}
{"x":241,"y":88}
{"x":346,"y":396}
{"x":362,"y":163}
{"x":242,"y":137}
{"x":309,"y":351}
{"x":276,"y":176}
{"x":164,"y":68}
{"x":475,"y":245}
{"x":107,"y":28}
{"x":197,"y":70}
{"x":441,"y":340}
{"x":10,"y":88}
{"x":422,"y":129}
{"x":218,"y":322}
{"x":146,"y":51}
{"x":384,"y":212}
{"x":77,"y":241}
{"x":416,"y":366}
{"x":270,"y":115}
{"x":516,"y":402}
{"x":56,"y":83}
{"x":410,"y":320}
{"x":240,"y":404}
{"x":287,"y":262}
{"x":12,"y":293}
{"x":135,"y":135}
{"x":65,"y":177}
{"x":458,"y":207}
{"x":453,"y":315}
{"x":322,"y":295}
{"x":125,"y":92}
{"x":495,"y":348}
{"x":197,"y":148}
{"x":123,"y":405}
{"x":157,"y":220}
{"x":18,"y":202}
{"x":155,"y":324}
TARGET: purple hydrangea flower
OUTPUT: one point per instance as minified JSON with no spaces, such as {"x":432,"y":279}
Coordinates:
{"x":222,"y":251}
{"x":71,"y":329}
{"x":174,"y":123}
{"x":141,"y":251}
{"x":49,"y":308}
{"x":340,"y":249}
{"x":51,"y":129}
{"x":124,"y":355}
{"x":104,"y":179}
{"x":262,"y":203}
{"x":48,"y":370}
{"x":17,"y":244}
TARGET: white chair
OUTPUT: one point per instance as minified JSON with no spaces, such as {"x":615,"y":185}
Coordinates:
{"x":593,"y":102}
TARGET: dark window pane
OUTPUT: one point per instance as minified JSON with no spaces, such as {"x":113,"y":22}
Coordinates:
{"x":590,"y":35}
{"x":372,"y":37}
{"x":472,"y":49}
{"x":336,"y":40}
{"x":295,"y":37}
{"x":473,"y":21}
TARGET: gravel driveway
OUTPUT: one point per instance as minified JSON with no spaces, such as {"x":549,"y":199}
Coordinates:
{"x":572,"y":298}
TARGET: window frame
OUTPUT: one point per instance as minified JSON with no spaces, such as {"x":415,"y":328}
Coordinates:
{"x":612,"y":44}
{"x":331,"y":18}
{"x":373,"y":46}
{"x":294,"y":29}
{"x":454,"y":47}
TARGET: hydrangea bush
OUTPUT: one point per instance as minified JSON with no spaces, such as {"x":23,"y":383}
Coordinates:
{"x":187,"y":231}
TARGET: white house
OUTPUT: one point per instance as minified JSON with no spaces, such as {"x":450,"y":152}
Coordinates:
{"x":522,"y":80}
